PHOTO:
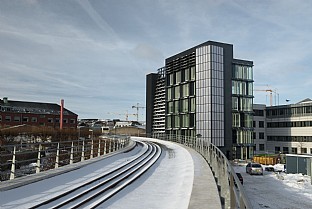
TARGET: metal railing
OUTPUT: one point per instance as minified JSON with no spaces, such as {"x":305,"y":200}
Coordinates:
{"x":24,"y":159}
{"x":232,"y":193}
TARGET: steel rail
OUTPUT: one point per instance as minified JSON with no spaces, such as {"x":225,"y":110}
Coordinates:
{"x":125,"y":181}
{"x":118,"y":174}
{"x":109,"y":172}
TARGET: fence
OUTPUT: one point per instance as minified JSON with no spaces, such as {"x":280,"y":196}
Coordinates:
{"x":24,"y":159}
{"x":231,"y":191}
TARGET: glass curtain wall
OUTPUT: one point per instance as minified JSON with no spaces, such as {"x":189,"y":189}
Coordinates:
{"x":242,"y":110}
{"x":210,"y":94}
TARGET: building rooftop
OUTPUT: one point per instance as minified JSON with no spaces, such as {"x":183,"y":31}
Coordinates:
{"x":31,"y":107}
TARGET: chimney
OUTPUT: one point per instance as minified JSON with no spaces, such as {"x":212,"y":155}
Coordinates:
{"x":61,"y":116}
{"x":5,"y":100}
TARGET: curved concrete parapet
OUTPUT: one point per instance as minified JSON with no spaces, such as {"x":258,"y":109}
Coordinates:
{"x":189,"y":179}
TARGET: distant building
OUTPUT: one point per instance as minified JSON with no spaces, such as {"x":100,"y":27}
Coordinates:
{"x":283,"y":128}
{"x":203,"y":92}
{"x":14,"y":113}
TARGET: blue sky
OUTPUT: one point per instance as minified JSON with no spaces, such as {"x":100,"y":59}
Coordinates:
{"x":96,"y":54}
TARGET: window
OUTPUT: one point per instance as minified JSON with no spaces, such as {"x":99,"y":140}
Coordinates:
{"x":72,"y":121}
{"x":235,"y":120}
{"x":254,"y":124}
{"x":57,"y":120}
{"x":254,"y":135}
{"x":303,"y":150}
{"x":25,"y":119}
{"x":177,"y":92}
{"x":34,"y":119}
{"x":17,"y":119}
{"x":285,"y":150}
{"x":193,"y":106}
{"x":261,"y":147}
{"x":0,"y":118}
{"x":8,"y":118}
{"x":169,"y":122}
{"x":261,"y":124}
{"x":50,"y":120}
{"x":294,"y":150}
{"x":193,"y":73}
{"x":234,"y":103}
{"x":277,"y":149}
{"x":261,"y":135}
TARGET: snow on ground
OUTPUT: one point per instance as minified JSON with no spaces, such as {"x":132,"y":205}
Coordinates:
{"x":277,"y":190}
{"x":168,"y":184}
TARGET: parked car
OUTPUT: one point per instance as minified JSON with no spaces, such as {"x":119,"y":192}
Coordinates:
{"x":240,"y":178}
{"x":254,"y":168}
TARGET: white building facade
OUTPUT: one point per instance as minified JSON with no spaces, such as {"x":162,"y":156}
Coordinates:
{"x":287,"y":128}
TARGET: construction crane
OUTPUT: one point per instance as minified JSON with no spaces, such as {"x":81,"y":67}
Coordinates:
{"x":125,"y":114}
{"x":269,"y":90}
{"x":137,"y":108}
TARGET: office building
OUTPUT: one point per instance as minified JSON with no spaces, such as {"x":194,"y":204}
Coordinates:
{"x":203,"y":92}
{"x":284,"y":128}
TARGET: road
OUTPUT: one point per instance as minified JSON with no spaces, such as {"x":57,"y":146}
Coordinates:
{"x":277,"y":191}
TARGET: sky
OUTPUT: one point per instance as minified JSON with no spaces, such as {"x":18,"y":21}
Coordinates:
{"x":95,"y":54}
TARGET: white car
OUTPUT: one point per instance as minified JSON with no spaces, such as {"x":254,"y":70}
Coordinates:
{"x":254,"y":168}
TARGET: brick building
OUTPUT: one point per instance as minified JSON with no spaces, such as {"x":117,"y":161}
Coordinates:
{"x":14,"y":113}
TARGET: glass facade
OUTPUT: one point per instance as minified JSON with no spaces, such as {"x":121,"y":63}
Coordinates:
{"x":242,"y":110}
{"x":210,"y":94}
{"x":180,"y":91}
{"x":199,"y":85}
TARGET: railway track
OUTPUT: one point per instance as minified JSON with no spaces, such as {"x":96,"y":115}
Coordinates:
{"x":93,"y":193}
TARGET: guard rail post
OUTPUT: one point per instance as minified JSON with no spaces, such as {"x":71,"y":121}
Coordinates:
{"x":12,"y":174}
{"x":71,"y":158}
{"x":38,"y":159}
{"x":57,"y":157}
{"x":99,"y":148}
{"x":83,"y":151}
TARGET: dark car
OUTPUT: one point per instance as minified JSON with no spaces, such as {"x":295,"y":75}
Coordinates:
{"x":240,"y":178}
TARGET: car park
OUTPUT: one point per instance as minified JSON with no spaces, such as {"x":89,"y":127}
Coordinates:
{"x":254,"y":168}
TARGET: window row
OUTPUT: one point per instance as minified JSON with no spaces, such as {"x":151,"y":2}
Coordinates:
{"x":180,"y":121}
{"x":242,"y":104}
{"x":209,"y":49}
{"x":242,"y":88}
{"x":289,"y":124}
{"x":180,"y":76}
{"x":290,"y":138}
{"x":242,"y":136}
{"x":203,"y":68}
{"x":181,"y":106}
{"x":25,"y":119}
{"x":241,"y":120}
{"x":293,"y":111}
{"x":181,"y":91}
{"x":261,"y":135}
{"x":258,"y":112}
{"x":242,"y":72}
{"x":260,"y":124}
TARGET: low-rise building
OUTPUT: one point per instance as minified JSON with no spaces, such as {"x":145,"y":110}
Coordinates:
{"x":284,"y":128}
{"x":15,"y":113}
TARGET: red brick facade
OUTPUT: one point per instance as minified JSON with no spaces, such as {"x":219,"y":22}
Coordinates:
{"x":14,"y":113}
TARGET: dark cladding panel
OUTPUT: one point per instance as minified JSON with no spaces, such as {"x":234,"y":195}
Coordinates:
{"x":151,"y":80}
